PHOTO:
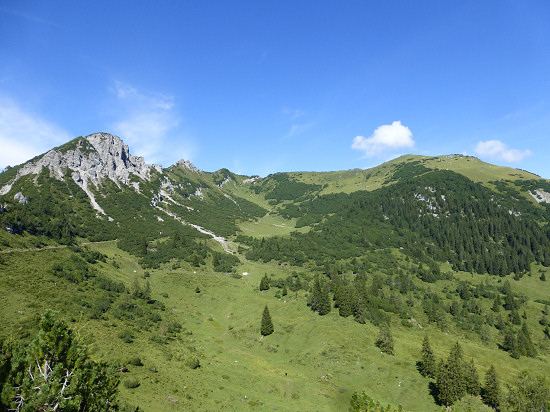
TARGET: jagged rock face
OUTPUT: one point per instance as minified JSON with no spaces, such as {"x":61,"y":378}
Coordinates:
{"x":95,"y":157}
{"x":187,"y":165}
{"x":108,"y":156}
{"x":111,"y":159}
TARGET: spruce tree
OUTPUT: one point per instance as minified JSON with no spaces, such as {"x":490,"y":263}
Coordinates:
{"x":497,"y":304}
{"x":358,"y":309}
{"x":385,"y":339}
{"x":135,"y":290}
{"x":267,"y":325}
{"x":345,"y":309}
{"x":473,"y":387}
{"x":264,"y":283}
{"x":491,"y":389}
{"x":444,"y":384}
{"x":524,"y":344}
{"x":451,"y":381}
{"x":428,"y":367}
{"x":324,"y":306}
{"x":147,"y":291}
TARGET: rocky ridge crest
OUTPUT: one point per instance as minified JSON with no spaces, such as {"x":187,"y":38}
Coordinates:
{"x":92,"y":159}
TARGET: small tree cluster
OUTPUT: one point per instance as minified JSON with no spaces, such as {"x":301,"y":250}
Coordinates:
{"x":519,"y":343}
{"x":320,"y":299}
{"x":264,"y":283}
{"x":456,"y":378}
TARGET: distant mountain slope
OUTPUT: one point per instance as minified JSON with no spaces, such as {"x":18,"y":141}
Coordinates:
{"x":46,"y":195}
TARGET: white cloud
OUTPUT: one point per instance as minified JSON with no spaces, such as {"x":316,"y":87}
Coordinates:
{"x":496,"y":149}
{"x":24,"y":135}
{"x":148,"y":123}
{"x":385,"y":137}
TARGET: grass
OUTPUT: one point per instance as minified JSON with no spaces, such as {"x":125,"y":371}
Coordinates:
{"x":270,"y":225}
{"x":309,"y":363}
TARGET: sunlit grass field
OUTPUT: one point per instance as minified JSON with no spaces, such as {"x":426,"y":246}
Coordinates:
{"x":309,"y":363}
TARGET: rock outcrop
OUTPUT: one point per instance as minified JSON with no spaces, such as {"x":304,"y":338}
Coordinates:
{"x":187,"y":165}
{"x":91,"y":159}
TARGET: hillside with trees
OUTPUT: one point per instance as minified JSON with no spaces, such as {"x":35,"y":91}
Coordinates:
{"x":415,"y":285}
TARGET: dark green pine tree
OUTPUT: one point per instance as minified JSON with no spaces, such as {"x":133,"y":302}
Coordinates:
{"x":497,"y":304}
{"x":514,"y":317}
{"x":451,"y":381}
{"x":385,"y":339}
{"x":491,"y":390}
{"x":142,"y":246}
{"x":267,"y":325}
{"x":324,"y":301}
{"x":264,"y":283}
{"x":524,"y":344}
{"x":285,"y":290}
{"x":428,"y":367}
{"x":147,"y":291}
{"x":345,"y":308}
{"x":358,"y":308}
{"x":473,"y":387}
{"x":510,"y":343}
{"x":444,"y":384}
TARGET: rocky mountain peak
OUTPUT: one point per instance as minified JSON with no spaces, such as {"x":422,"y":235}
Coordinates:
{"x":91,"y":159}
{"x":186,"y":164}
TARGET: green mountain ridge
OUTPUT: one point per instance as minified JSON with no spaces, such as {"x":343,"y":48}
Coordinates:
{"x":176,"y":266}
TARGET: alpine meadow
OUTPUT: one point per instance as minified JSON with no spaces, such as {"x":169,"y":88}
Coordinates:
{"x":421,"y":284}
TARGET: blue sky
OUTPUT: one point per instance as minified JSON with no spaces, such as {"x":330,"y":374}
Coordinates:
{"x":263,"y":86}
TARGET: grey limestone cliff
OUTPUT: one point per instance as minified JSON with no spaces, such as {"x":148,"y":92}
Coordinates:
{"x":91,"y":159}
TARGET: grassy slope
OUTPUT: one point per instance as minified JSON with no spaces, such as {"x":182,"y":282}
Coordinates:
{"x":373,"y":178}
{"x":309,"y":363}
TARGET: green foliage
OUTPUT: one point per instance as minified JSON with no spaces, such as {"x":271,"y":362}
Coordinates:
{"x":529,"y":392}
{"x":266,"y":327}
{"x":131,"y":383}
{"x":384,"y":341}
{"x":280,"y":187}
{"x":193,"y":363}
{"x":264,"y":283}
{"x":126,"y":335}
{"x":320,"y":299}
{"x":471,"y":379}
{"x":491,"y":389}
{"x":451,"y":377}
{"x":473,"y":216}
{"x":135,"y":360}
{"x":427,"y":365}
{"x":361,"y":402}
{"x":55,"y":371}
